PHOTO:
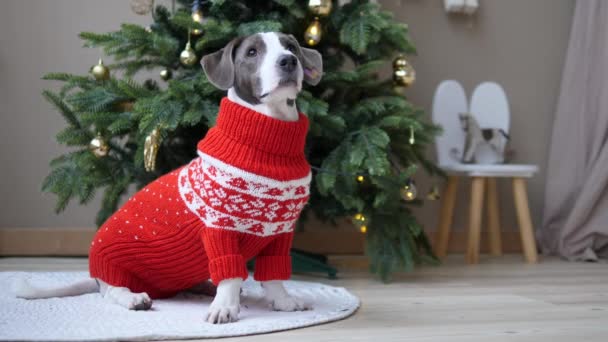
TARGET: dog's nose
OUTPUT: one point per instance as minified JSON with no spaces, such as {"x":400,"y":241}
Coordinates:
{"x":288,"y":63}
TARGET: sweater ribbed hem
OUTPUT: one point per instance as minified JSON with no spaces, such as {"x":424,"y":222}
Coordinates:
{"x":271,"y":267}
{"x":116,"y":276}
{"x":227,"y":267}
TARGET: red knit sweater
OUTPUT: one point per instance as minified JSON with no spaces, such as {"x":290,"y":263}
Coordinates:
{"x":239,"y":199}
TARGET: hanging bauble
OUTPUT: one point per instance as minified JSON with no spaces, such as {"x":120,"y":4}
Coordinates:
{"x":99,"y":146}
{"x":166,"y":74}
{"x":312,"y":35}
{"x":142,"y":7}
{"x":100,"y":71}
{"x":404,"y":74}
{"x":151,"y":146}
{"x":360,"y":179}
{"x":433,"y":194}
{"x":319,"y":8}
{"x":188,"y":56}
{"x":197,"y":16}
{"x":409,"y":191}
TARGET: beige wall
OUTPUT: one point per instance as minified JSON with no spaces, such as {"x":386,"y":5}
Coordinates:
{"x":39,"y":37}
{"x":518,"y":43}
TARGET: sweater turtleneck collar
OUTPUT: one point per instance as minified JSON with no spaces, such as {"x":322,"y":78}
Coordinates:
{"x":256,"y":130}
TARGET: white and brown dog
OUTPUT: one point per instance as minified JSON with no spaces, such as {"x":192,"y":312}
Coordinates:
{"x":262,"y":73}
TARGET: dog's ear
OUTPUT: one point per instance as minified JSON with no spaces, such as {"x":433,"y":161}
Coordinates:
{"x":312,"y":62}
{"x":219,"y":66}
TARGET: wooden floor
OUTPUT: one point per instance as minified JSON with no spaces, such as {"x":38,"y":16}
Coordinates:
{"x":501,"y":299}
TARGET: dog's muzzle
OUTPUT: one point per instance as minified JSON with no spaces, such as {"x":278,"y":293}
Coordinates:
{"x":287,"y":63}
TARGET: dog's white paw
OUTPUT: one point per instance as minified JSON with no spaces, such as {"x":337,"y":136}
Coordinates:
{"x":226,"y":304}
{"x":289,"y":303}
{"x":219,"y":314}
{"x":130,"y":300}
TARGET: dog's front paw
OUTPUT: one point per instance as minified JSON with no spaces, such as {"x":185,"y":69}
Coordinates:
{"x":289,"y":303}
{"x":219,"y":314}
{"x":226,"y":305}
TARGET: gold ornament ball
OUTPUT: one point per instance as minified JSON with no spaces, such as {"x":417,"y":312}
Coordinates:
{"x":360,"y":179}
{"x":99,"y":146}
{"x":166,"y":74}
{"x":409,"y":192}
{"x":100,"y":71}
{"x":312,"y":35}
{"x":404,"y":77}
{"x":363,"y":229}
{"x":188,"y":56}
{"x":319,"y":7}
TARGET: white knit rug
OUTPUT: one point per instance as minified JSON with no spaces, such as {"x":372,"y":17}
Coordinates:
{"x":90,"y":318}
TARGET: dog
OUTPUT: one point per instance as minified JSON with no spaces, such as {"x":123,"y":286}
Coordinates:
{"x":238,"y":200}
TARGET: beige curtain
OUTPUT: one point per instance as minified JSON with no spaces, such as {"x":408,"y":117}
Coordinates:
{"x":575,"y":220}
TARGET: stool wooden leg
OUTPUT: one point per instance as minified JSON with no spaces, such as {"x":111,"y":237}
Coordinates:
{"x":476,"y":209}
{"x":525,"y":222}
{"x":493,"y":218}
{"x":445,"y":220}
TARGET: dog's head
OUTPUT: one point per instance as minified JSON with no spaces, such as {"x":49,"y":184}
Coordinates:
{"x":263,"y":67}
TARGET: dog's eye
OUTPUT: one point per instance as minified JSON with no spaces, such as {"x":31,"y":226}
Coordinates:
{"x":252,"y":52}
{"x":291,"y":48}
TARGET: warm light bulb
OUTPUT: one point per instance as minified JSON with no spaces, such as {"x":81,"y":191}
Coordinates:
{"x":409,"y":191}
{"x":197,"y":16}
{"x":363,"y":229}
{"x":360,"y":179}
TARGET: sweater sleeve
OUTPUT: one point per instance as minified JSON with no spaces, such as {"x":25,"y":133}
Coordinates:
{"x":274,"y":261}
{"x":225,"y":258}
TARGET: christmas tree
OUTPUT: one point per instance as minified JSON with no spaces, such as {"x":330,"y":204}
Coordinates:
{"x":365,"y":140}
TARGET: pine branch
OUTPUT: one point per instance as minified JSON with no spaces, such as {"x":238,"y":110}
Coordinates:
{"x":63,"y":108}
